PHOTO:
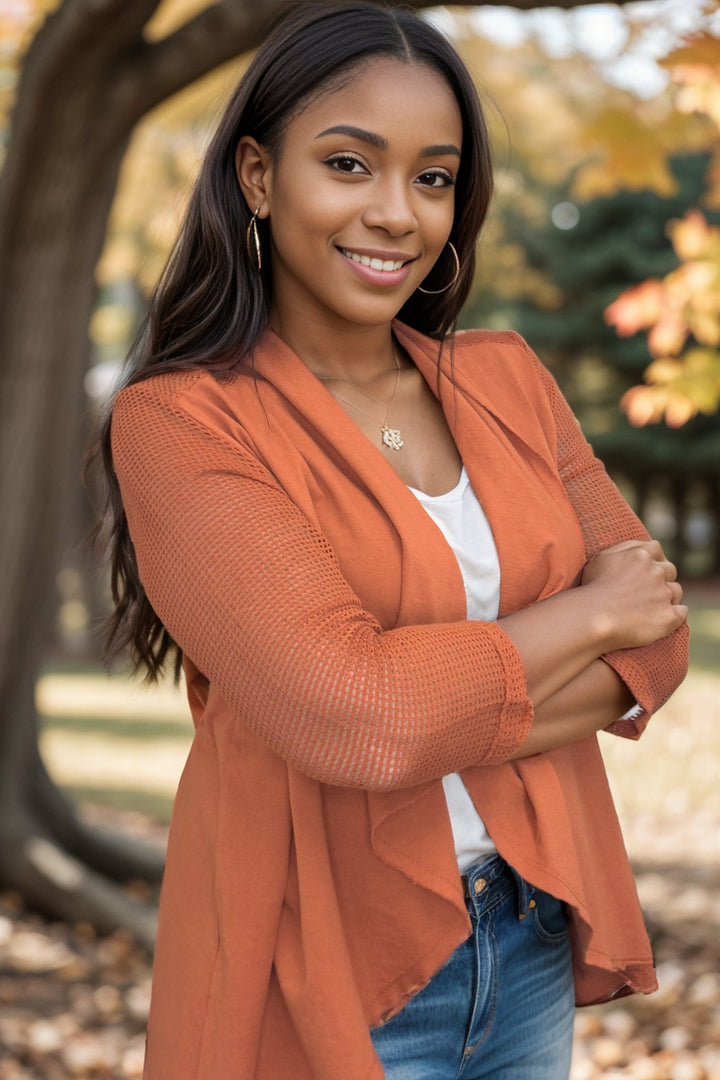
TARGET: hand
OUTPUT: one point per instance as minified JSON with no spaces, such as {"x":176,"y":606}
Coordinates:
{"x":636,"y":597}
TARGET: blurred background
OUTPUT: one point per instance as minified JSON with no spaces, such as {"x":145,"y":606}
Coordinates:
{"x":602,"y":249}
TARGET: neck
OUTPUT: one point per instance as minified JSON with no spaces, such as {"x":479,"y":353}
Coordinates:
{"x":354,"y":354}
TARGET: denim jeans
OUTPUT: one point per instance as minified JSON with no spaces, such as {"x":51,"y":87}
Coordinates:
{"x":502,"y":1006}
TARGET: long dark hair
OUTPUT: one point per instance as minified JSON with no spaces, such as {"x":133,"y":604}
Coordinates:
{"x":211,"y":304}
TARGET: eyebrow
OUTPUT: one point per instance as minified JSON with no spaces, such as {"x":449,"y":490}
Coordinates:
{"x":381,"y":144}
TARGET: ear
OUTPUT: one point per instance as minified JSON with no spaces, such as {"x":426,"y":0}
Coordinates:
{"x":253,"y":167}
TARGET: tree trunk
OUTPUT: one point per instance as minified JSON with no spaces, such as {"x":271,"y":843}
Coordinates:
{"x":53,"y":217}
{"x":88,"y":77}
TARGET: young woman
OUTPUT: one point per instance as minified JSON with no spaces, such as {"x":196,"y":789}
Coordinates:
{"x":405,"y":594}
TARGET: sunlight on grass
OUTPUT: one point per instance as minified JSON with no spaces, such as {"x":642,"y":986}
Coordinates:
{"x":109,"y":696}
{"x":671,"y":776}
{"x":114,"y":741}
{"x":89,"y":759}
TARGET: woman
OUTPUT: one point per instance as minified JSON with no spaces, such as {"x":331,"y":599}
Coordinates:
{"x":406,"y":595}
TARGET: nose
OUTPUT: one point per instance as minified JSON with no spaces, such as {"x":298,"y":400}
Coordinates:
{"x":390,"y":207}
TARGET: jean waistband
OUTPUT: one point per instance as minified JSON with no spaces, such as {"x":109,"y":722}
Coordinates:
{"x":490,"y":880}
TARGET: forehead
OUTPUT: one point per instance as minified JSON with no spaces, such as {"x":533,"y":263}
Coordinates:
{"x":389,"y":97}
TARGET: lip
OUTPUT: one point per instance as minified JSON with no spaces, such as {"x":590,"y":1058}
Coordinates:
{"x":384,"y":278}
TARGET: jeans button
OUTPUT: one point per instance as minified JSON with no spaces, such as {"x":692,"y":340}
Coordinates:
{"x":479,"y":885}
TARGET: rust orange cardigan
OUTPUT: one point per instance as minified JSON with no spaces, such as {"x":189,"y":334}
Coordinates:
{"x":311,"y":886}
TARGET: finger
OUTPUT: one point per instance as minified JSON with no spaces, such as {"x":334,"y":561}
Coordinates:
{"x":676,"y":593}
{"x":682,"y":613}
{"x":670,"y":570}
{"x":654,"y":549}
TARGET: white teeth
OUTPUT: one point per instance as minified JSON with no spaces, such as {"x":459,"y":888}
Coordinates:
{"x":375,"y":264}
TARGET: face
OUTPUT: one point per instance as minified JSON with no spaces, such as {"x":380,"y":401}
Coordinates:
{"x":360,"y":197}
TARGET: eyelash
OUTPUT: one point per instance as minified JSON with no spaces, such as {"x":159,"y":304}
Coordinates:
{"x":334,"y":162}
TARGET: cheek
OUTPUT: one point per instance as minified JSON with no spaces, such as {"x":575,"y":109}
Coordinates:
{"x":439,"y":222}
{"x":310,"y":216}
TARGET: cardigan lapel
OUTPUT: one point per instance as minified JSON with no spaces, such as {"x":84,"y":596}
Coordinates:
{"x":505,"y":437}
{"x":360,"y":487}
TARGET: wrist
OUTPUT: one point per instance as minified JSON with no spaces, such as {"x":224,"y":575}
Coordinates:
{"x":603,"y":626}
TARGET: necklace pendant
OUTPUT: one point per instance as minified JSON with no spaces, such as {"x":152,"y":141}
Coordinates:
{"x":391,"y":437}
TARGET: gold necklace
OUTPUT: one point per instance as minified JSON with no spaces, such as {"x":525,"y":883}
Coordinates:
{"x":391,"y":437}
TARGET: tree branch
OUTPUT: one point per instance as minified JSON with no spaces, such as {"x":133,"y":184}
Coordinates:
{"x":64,"y":888}
{"x":112,"y":854}
{"x":230,"y":28}
{"x":219,"y":33}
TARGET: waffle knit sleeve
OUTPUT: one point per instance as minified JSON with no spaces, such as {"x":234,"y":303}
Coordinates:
{"x":654,"y":671}
{"x":253,"y":594}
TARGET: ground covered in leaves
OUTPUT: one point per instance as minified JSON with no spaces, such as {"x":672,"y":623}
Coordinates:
{"x":75,"y":1005}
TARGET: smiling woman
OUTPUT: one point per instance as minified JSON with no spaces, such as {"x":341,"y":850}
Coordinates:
{"x":360,"y":210}
{"x":405,"y":596}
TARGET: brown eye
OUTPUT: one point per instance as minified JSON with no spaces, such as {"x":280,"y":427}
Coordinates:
{"x":436,"y":179}
{"x":345,"y":163}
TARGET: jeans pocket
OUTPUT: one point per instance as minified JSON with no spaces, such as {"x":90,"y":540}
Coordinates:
{"x":550,"y":917}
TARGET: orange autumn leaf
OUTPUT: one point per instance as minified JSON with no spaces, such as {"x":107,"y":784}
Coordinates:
{"x":676,"y":389}
{"x":637,"y":308}
{"x":702,"y":48}
{"x":679,"y":410}
{"x":690,"y":235}
{"x":668,"y":335}
{"x":695,"y":66}
{"x":643,"y":405}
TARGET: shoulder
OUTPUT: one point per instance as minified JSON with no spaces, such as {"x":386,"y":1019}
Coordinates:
{"x":188,"y":420}
{"x":505,"y":365}
{"x":504,"y":345}
{"x":196,"y":398}
{"x":503,"y":358}
{"x":186,"y":413}
{"x":479,"y":338}
{"x":504,"y":352}
{"x":182,"y":391}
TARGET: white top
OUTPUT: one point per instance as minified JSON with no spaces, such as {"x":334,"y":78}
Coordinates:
{"x":461,"y":519}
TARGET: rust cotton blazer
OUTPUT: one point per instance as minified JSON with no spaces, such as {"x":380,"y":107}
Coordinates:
{"x":311,"y":886}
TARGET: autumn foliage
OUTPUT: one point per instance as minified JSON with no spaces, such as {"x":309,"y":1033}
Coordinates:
{"x":681,"y":312}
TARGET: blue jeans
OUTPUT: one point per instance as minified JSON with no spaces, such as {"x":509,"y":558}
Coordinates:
{"x":502,"y":1006}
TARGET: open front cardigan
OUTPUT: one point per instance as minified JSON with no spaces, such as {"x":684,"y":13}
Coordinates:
{"x":311,"y":886}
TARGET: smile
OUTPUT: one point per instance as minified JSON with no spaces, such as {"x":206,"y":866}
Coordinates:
{"x":374,"y":264}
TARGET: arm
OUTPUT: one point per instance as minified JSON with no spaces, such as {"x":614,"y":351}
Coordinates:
{"x":628,"y":597}
{"x":650,"y":672}
{"x":579,"y":694}
{"x":584,"y":706}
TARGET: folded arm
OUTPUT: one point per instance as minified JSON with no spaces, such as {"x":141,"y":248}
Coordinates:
{"x":254,"y":596}
{"x":646,"y":672}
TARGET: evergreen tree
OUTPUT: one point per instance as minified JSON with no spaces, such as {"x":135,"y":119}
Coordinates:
{"x":591,"y":253}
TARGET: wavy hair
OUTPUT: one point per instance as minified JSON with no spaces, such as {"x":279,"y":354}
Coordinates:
{"x":211,"y":304}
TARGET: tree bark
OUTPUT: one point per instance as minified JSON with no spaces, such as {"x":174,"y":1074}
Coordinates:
{"x":88,"y":77}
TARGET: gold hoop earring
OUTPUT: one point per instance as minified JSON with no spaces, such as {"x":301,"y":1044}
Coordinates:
{"x":456,"y":275}
{"x":252,"y":229}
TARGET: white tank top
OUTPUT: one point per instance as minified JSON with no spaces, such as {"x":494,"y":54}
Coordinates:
{"x":461,"y":519}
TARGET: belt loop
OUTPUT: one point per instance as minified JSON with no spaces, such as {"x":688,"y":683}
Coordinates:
{"x":525,"y":891}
